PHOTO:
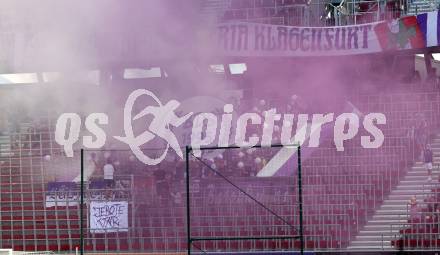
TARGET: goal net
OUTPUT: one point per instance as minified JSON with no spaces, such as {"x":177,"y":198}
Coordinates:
{"x":233,"y":207}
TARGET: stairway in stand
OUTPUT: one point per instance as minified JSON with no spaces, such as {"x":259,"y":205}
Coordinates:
{"x":5,"y":145}
{"x":383,"y":226}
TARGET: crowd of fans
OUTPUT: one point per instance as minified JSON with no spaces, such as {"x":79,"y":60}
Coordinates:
{"x":423,"y":222}
{"x":163,"y":182}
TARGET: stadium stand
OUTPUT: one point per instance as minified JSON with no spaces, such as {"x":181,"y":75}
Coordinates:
{"x":353,"y":199}
{"x":344,"y":190}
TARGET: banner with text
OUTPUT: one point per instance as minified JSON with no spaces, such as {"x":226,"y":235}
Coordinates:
{"x":253,"y":39}
{"x":62,"y":194}
{"x":108,"y":217}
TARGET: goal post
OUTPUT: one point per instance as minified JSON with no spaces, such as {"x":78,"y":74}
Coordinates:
{"x":230,"y":208}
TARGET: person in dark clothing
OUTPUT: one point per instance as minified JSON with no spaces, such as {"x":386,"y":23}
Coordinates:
{"x":427,"y":159}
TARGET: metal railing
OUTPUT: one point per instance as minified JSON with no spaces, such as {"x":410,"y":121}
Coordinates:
{"x":310,"y":13}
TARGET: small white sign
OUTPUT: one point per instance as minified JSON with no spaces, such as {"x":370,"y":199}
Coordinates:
{"x":108,"y":217}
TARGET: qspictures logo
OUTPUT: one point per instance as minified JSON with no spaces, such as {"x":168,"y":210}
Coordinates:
{"x":206,"y":129}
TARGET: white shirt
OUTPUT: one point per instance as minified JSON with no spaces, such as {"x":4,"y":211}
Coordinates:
{"x":109,"y":170}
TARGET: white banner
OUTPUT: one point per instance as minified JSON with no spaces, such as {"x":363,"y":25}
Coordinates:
{"x":252,"y":39}
{"x":61,"y":199}
{"x":262,"y":40}
{"x":108,"y":217}
{"x":62,"y":194}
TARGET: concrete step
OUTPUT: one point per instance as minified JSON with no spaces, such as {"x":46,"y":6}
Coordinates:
{"x":414,"y":182}
{"x":425,"y":191}
{"x":420,"y":166}
{"x":387,"y":217}
{"x":393,"y":207}
{"x":406,"y":192}
{"x":374,"y":222}
{"x":379,"y":243}
{"x":371,"y":248}
{"x":389,"y":212}
{"x":411,"y":186}
{"x":387,"y":233}
{"x":377,"y":236}
{"x":416,"y":178}
{"x":398,"y":200}
{"x":402,"y":198}
{"x":380,"y":229}
{"x":393,"y":203}
{"x":417,"y":168}
{"x":368,"y":238}
{"x":5,"y":146}
{"x":421,"y":172}
{"x":370,"y":245}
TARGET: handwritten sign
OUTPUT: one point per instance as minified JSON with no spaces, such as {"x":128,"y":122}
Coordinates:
{"x":108,"y":217}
